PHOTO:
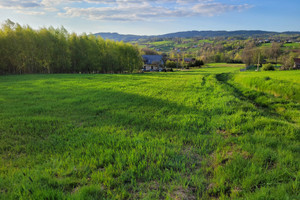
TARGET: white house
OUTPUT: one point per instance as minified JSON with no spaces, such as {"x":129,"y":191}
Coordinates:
{"x":153,"y":62}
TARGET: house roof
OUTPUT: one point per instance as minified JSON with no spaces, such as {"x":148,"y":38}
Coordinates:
{"x":297,"y":60}
{"x":150,"y":59}
{"x":173,"y":59}
{"x":185,"y":59}
{"x":189,"y":59}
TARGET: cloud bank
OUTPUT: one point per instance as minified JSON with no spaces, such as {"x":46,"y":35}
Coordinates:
{"x":124,"y":10}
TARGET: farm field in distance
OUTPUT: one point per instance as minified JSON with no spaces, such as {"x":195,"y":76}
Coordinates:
{"x":208,"y":133}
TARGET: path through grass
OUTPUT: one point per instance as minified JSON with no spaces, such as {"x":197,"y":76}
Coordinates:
{"x":184,"y":135}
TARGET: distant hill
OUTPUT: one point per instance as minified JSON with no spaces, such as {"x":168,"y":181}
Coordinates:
{"x":190,"y":34}
{"x":120,"y":37}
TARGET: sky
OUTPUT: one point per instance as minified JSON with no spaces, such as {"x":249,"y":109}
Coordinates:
{"x":154,"y":17}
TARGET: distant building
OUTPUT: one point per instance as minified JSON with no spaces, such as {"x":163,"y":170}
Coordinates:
{"x":186,"y":60}
{"x":153,"y":62}
{"x":296,"y":63}
{"x":189,"y":60}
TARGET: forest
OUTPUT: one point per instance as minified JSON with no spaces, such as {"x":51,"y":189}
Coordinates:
{"x":54,"y":50}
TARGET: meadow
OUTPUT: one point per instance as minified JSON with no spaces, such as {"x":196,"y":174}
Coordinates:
{"x":293,"y":45}
{"x":209,"y":133}
{"x":166,"y":46}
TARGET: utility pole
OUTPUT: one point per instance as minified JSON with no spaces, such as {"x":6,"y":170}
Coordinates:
{"x":258,"y":61}
{"x":178,"y":57}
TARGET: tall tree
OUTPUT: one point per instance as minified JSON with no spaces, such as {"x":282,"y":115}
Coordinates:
{"x":275,"y":51}
{"x":50,"y":50}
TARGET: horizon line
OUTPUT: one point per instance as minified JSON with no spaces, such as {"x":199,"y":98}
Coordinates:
{"x":195,"y":31}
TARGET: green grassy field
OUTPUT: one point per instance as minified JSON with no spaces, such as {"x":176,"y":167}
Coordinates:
{"x":209,"y":133}
{"x":292,"y":45}
{"x":279,"y":83}
{"x":169,"y":45}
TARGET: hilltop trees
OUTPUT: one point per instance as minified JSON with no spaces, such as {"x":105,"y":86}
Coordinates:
{"x":275,"y":51}
{"x":50,"y":50}
{"x":288,"y":60}
{"x":248,"y":54}
{"x":147,"y":51}
{"x":254,"y":54}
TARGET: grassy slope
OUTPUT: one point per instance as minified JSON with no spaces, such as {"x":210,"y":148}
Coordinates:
{"x":292,"y":45}
{"x":185,"y":135}
{"x":168,"y":45}
{"x":188,"y":45}
{"x":279,"y":83}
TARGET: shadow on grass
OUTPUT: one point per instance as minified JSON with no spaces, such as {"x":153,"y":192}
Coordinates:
{"x":259,"y":99}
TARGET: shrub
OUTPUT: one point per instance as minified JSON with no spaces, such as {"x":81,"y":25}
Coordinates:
{"x":197,"y":63}
{"x":268,"y":67}
{"x":171,"y":64}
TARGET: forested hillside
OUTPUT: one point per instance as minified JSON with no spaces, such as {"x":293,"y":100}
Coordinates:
{"x":49,"y":50}
{"x":276,"y":50}
{"x":193,"y":34}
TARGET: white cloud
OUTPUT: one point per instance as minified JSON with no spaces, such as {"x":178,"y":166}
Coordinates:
{"x":22,"y":6}
{"x":211,"y":9}
{"x":18,"y":4}
{"x":131,"y":11}
{"x":30,"y":12}
{"x":123,"y":10}
{"x":140,"y":12}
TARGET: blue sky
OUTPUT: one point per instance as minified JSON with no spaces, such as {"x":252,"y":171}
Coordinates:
{"x":151,"y":17}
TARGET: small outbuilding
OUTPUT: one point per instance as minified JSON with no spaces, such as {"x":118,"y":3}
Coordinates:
{"x":296,"y":63}
{"x":189,"y":60}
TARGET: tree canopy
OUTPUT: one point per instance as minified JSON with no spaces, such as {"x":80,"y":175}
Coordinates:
{"x":54,"y":50}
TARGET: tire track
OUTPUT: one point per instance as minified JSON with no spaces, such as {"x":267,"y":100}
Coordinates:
{"x":265,"y":109}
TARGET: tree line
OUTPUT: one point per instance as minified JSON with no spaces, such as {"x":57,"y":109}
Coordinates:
{"x":248,"y":50}
{"x":54,"y":50}
{"x":254,"y":54}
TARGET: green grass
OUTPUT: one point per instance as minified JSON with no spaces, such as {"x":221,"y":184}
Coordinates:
{"x":164,"y":46}
{"x":197,"y":134}
{"x":162,"y":43}
{"x":285,"y":84}
{"x":292,"y":45}
{"x":205,"y":41}
{"x":266,"y":44}
{"x":187,"y":45}
{"x":225,"y":66}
